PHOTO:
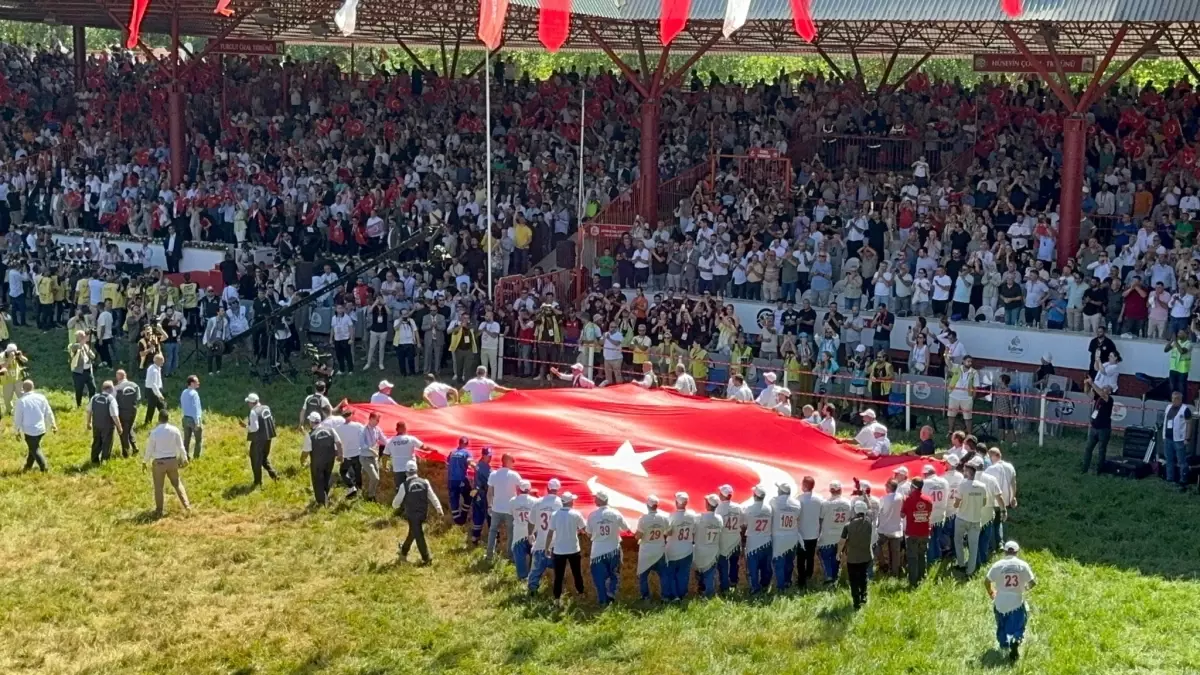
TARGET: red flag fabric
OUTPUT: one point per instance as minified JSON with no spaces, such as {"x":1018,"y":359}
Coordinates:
{"x":223,"y":8}
{"x":632,"y":442}
{"x":1012,"y":8}
{"x":554,"y":23}
{"x":136,"y":12}
{"x":802,"y":19}
{"x":672,"y":19}
{"x":491,"y":21}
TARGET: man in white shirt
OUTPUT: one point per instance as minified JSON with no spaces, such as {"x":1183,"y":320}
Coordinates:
{"x":502,"y":488}
{"x":522,"y":538}
{"x":681,"y":540}
{"x":938,"y":490}
{"x":438,"y":394}
{"x":890,"y":531}
{"x":866,"y":437}
{"x":156,"y":400}
{"x":32,"y":416}
{"x":384,"y":395}
{"x":164,"y":451}
{"x":971,"y":505}
{"x":739,"y":391}
{"x":684,"y":383}
{"x":341,"y":331}
{"x":489,"y":343}
{"x":769,"y":396}
{"x":810,"y":529}
{"x":1007,"y":582}
{"x":543,"y":510}
{"x":613,"y":341}
{"x":562,"y":543}
{"x":604,"y":527}
{"x":835,"y":514}
{"x":480,"y":387}
{"x":758,"y":542}
{"x":709,"y":527}
{"x":785,"y":536}
{"x":993,"y":514}
{"x":733,"y":518}
{"x":651,"y":536}
{"x":576,"y":377}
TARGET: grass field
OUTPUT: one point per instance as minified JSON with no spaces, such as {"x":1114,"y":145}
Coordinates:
{"x":254,"y":582}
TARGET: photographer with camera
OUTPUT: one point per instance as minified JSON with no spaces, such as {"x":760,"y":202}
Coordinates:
{"x":12,"y":373}
{"x":81,"y":358}
{"x":216,"y":334}
{"x":464,"y":345}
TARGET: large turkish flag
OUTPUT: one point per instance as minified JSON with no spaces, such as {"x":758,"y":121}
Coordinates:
{"x":632,"y":442}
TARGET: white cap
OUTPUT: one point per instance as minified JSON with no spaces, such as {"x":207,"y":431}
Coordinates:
{"x":902,"y":470}
{"x":411,"y":467}
{"x":652,"y":501}
{"x":860,"y":349}
{"x":859,"y":507}
{"x":759,"y":491}
{"x":553,"y":484}
{"x":252,"y":398}
{"x":975,"y":463}
{"x":712,"y":500}
{"x":567,"y":497}
{"x":769,"y":377}
{"x":600,"y":497}
{"x":524,"y":485}
{"x":835,"y":485}
{"x":384,"y":384}
{"x":784,"y":488}
{"x":928,"y":470}
{"x":314,"y":418}
{"x":1011,"y":547}
{"x":1047,"y":357}
{"x":681,"y":497}
{"x":12,"y":347}
{"x":868,"y":413}
{"x":726,"y":490}
{"x":577,"y":366}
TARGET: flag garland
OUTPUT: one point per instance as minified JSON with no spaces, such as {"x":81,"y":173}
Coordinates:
{"x":554,"y":23}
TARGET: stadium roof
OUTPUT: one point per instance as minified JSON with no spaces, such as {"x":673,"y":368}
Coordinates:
{"x":862,"y":26}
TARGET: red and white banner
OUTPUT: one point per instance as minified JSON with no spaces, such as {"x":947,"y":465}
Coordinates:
{"x":248,"y":47}
{"x":1017,"y":63}
{"x":632,"y":442}
{"x":491,"y":22}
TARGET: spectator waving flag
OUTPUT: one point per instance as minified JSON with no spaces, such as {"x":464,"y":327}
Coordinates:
{"x":491,"y":21}
{"x":346,"y":17}
{"x":673,"y":18}
{"x":554,"y":23}
{"x":736,"y":12}
{"x":802,"y":18}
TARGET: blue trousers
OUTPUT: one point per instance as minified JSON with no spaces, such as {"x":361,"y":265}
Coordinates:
{"x":727,"y":569}
{"x":660,"y":570}
{"x":936,"y":534}
{"x":479,"y":514}
{"x":708,"y":581}
{"x":785,"y":567}
{"x":604,"y":576}
{"x":758,"y":569}
{"x":1010,"y":627}
{"x":520,"y":556}
{"x":987,"y":540}
{"x":1176,"y":459}
{"x":541,"y":563}
{"x":459,"y":506}
{"x":679,"y":573}
{"x":829,"y":561}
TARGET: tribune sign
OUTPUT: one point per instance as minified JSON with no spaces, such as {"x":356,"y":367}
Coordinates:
{"x":1018,"y":63}
{"x":248,"y":47}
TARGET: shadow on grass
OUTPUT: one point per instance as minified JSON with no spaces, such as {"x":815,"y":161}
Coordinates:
{"x":840,"y":613}
{"x":237,"y":491}
{"x":995,"y":658}
{"x":143,"y":517}
{"x":82,"y":468}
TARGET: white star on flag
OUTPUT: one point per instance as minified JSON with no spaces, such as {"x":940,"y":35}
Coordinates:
{"x":627,"y":460}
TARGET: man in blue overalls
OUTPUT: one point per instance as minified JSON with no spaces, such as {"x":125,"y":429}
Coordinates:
{"x":457,"y":465}
{"x":480,"y":513}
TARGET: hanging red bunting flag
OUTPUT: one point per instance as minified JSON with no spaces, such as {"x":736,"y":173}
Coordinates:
{"x":1012,"y":8}
{"x":802,"y":19}
{"x":674,"y":17}
{"x":136,"y":12}
{"x":223,"y":8}
{"x":491,"y":21}
{"x":554,"y":23}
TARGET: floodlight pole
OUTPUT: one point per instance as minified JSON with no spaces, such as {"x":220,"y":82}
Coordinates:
{"x":1070,"y":208}
{"x":178,"y":142}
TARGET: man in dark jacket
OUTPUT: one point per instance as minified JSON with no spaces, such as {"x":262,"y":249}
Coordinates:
{"x":413,"y":500}
{"x":128,"y":395}
{"x":323,"y":447}
{"x":855,"y":550}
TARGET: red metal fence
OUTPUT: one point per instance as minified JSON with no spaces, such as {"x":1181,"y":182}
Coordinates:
{"x":563,"y":283}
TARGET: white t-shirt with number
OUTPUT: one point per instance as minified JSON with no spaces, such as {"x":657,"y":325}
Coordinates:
{"x":522,"y":513}
{"x":681,"y":536}
{"x":758,"y":526}
{"x":734,"y":518}
{"x":652,"y":542}
{"x":785,"y":524}
{"x":1012,"y":577}
{"x":937,"y":489}
{"x":542,"y":511}
{"x":709,"y":527}
{"x":604,"y":527}
{"x":835,"y":513}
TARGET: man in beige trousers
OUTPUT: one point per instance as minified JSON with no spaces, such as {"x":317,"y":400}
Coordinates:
{"x":165,"y":454}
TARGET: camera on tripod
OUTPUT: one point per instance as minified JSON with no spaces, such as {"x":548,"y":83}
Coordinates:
{"x":321,"y":366}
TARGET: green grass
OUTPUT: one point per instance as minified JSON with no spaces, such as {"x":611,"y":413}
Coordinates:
{"x":254,"y":582}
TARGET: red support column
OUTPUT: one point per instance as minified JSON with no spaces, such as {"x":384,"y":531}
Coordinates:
{"x":1070,"y":209}
{"x":79,"y":40}
{"x":648,"y":159}
{"x":177,"y":140}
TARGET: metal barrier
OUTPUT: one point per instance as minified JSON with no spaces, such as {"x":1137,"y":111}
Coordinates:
{"x":763,"y":170}
{"x":564,"y":284}
{"x":594,"y":237}
{"x":673,"y":191}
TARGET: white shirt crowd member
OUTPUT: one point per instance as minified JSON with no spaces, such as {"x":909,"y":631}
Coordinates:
{"x":522,"y":512}
{"x":709,"y":527}
{"x":437,"y":394}
{"x":734,"y":518}
{"x":741,"y":393}
{"x":681,"y":537}
{"x":685,"y":384}
{"x":1012,"y":578}
{"x":342,"y":326}
{"x":1005,"y":475}
{"x":543,"y":510}
{"x":402,"y":449}
{"x":504,"y":483}
{"x":604,"y":527}
{"x":566,"y":524}
{"x":480,"y":388}
{"x":758,"y":524}
{"x":891,"y":521}
{"x":937,"y":490}
{"x":835,"y":513}
{"x":810,"y":515}
{"x":652,"y":537}
{"x":785,"y":522}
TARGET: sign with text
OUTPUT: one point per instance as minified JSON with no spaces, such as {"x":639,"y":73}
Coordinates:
{"x":1017,"y":63}
{"x":248,"y":47}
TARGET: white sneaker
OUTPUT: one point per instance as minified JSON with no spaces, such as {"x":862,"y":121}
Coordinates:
{"x":366,"y":367}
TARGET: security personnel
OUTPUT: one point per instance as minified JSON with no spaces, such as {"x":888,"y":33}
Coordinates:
{"x":734,"y":518}
{"x":457,"y":464}
{"x":413,"y":500}
{"x":128,"y":395}
{"x":103,"y":419}
{"x":480,"y":511}
{"x":323,"y":447}
{"x":260,"y":429}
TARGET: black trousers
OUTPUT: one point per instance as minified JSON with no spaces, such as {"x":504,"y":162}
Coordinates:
{"x":260,"y":460}
{"x":416,"y":533}
{"x":1097,"y":439}
{"x":344,"y":355}
{"x":46,"y":316}
{"x":560,"y":567}
{"x":351,"y":471}
{"x":858,"y":582}
{"x":83,"y":382}
{"x":102,"y":442}
{"x":154,"y":403}
{"x":806,"y":561}
{"x":35,"y":456}
{"x":320,"y":469}
{"x":260,"y":344}
{"x":104,"y":349}
{"x":128,"y":442}
{"x":407,"y":356}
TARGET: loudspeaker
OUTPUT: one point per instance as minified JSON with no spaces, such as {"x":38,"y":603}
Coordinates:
{"x":304,"y":276}
{"x":1137,"y":454}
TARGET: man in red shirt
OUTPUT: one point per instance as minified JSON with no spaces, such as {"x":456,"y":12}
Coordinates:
{"x":917,"y":511}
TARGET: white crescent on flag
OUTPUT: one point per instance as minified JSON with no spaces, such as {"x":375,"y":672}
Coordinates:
{"x":346,"y":17}
{"x":736,"y":12}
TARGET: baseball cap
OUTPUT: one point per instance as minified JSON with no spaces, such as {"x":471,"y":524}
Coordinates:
{"x":712,"y":500}
{"x":784,"y":488}
{"x":835,"y":485}
{"x":902,"y":470}
{"x":862,"y":484}
{"x":652,"y":501}
{"x":553,"y":484}
{"x":860,"y":349}
{"x":868,"y":413}
{"x":314,"y":417}
{"x":1011,"y":547}
{"x":384,"y":384}
{"x":681,"y":497}
{"x":726,"y":490}
{"x":524,"y":485}
{"x":860,"y":507}
{"x":577,"y":366}
{"x":568,"y":498}
{"x":600,"y":496}
{"x":928,"y":469}
{"x":769,"y":377}
{"x":411,"y":467}
{"x":759,"y":491}
{"x":1047,"y":357}
{"x":252,"y":398}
